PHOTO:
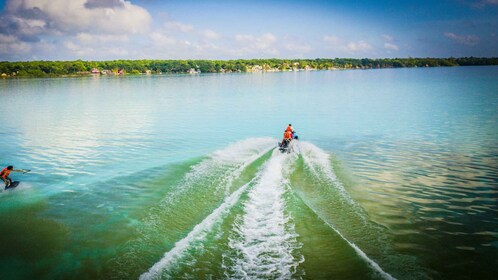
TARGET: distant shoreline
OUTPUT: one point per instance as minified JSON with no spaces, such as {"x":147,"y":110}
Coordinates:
{"x":77,"y":68}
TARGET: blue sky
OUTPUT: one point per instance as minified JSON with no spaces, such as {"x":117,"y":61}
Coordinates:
{"x":189,"y":29}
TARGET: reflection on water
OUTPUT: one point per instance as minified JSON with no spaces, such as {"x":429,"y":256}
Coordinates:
{"x":438,"y":201}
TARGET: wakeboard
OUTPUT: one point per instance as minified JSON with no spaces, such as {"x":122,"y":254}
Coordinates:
{"x":13,"y":185}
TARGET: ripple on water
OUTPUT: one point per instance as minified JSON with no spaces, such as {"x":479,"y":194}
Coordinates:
{"x":439,"y":191}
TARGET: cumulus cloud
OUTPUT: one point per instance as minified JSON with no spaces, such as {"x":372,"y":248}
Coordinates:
{"x":91,"y":39}
{"x":10,"y":44}
{"x":7,"y":39}
{"x":348,"y":47}
{"x":95,"y":4}
{"x":468,"y":40}
{"x":75,"y":27}
{"x":27,"y":19}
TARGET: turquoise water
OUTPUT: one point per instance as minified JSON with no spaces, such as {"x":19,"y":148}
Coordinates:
{"x":395,"y":175}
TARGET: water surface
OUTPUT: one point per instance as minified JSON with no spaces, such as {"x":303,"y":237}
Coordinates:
{"x":176,"y":176}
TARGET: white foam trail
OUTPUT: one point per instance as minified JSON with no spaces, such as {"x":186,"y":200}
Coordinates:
{"x":225,"y":165}
{"x":362,"y":254}
{"x":198,"y":233}
{"x":248,"y":150}
{"x":265,"y":240}
{"x":318,"y":161}
{"x":214,"y":174}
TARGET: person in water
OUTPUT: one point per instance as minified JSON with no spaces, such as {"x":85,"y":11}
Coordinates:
{"x":4,"y":174}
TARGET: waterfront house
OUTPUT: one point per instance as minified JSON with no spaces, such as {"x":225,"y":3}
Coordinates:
{"x":256,"y":69}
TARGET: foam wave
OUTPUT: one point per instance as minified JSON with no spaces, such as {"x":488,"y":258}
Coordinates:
{"x":265,"y":242}
{"x":226,"y":164}
{"x":198,"y":233}
{"x":319,"y":163}
{"x":206,"y":185}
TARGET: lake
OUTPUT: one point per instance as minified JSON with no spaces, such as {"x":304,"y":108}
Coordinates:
{"x":395,"y":175}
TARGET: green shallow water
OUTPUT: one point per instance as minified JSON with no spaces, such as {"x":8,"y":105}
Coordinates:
{"x":176,"y":177}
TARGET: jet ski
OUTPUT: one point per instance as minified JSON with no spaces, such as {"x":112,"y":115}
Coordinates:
{"x":284,"y":147}
{"x":287,"y":146}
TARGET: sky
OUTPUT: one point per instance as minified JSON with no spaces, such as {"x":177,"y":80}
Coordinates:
{"x":193,"y":29}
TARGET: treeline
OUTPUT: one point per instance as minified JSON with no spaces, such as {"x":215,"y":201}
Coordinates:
{"x":79,"y":67}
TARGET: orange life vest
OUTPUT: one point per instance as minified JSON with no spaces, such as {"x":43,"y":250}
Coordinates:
{"x":287,"y":135}
{"x":5,"y":173}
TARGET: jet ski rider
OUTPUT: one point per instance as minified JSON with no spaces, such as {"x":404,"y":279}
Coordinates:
{"x":291,"y":129}
{"x":287,"y":138}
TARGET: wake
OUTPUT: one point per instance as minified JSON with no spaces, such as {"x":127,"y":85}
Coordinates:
{"x":319,"y":163}
{"x":208,"y":184}
{"x":199,"y":232}
{"x":265,"y":239}
{"x":263,"y":242}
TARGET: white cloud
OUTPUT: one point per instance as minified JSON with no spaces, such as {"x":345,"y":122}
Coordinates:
{"x":70,"y":17}
{"x":93,"y":39}
{"x":7,"y":39}
{"x":210,"y":34}
{"x":177,"y":26}
{"x":159,"y":38}
{"x":348,"y":47}
{"x":71,"y":46}
{"x":78,"y":50}
{"x":10,"y":44}
{"x":468,"y":40}
{"x":94,"y":4}
{"x":265,"y":39}
{"x":250,"y":44}
{"x":360,"y":46}
{"x":391,"y":47}
{"x":118,"y":52}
